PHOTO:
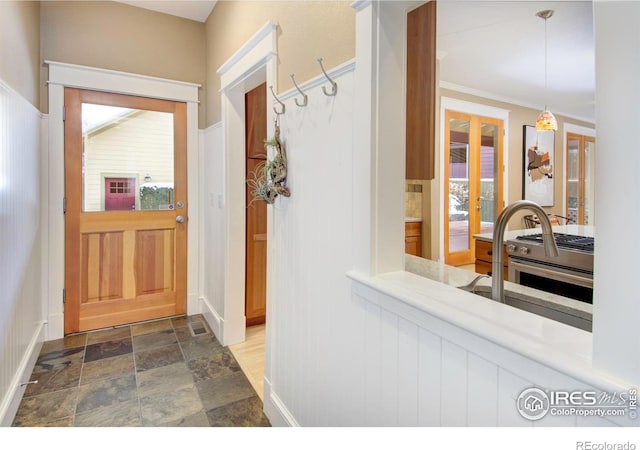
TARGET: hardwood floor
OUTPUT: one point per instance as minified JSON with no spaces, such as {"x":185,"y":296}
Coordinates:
{"x":250,"y":354}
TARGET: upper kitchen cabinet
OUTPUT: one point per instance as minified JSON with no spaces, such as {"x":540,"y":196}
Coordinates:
{"x":421,"y":92}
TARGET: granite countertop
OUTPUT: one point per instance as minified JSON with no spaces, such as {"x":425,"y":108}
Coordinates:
{"x":577,"y":230}
{"x":457,"y":277}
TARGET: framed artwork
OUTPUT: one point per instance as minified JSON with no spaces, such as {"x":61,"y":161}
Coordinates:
{"x":537,"y":176}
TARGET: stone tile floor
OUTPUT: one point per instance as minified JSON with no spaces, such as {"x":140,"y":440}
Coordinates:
{"x":171,"y":373}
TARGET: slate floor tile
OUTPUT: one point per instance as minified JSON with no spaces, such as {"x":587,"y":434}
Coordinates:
{"x":169,"y":407}
{"x":41,"y":410}
{"x":158,"y":357}
{"x":243,"y":413}
{"x":106,"y":393}
{"x":111,"y":334}
{"x":215,"y":365}
{"x":223,"y":390}
{"x":107,"y":349}
{"x":198,"y":419}
{"x":122,"y":414}
{"x":199,"y":347}
{"x":164,"y":379}
{"x":114,"y":367}
{"x":59,"y":358}
{"x":153,"y":340}
{"x":151,"y":327}
{"x":73,"y":341}
{"x":56,"y":379}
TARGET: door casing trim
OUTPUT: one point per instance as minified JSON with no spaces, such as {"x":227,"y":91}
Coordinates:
{"x":63,"y":75}
{"x":478,"y":109}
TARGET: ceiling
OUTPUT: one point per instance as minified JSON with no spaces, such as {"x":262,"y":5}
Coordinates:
{"x":497,"y":48}
{"x":197,"y":10}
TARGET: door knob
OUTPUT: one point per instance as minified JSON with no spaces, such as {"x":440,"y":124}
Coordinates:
{"x":180,"y":219}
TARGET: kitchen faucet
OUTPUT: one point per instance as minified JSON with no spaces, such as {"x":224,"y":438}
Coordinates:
{"x":550,"y":248}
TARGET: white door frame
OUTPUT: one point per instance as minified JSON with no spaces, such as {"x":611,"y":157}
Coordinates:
{"x":63,"y":75}
{"x":253,"y":64}
{"x":477,"y":109}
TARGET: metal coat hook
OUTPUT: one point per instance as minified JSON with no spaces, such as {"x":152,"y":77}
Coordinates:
{"x":334,"y":85}
{"x":278,"y":100}
{"x":304,"y":96}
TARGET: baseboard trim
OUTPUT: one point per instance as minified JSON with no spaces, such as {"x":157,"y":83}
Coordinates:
{"x":212,"y":317}
{"x":275,"y":410}
{"x":55,"y":327}
{"x":11,"y":402}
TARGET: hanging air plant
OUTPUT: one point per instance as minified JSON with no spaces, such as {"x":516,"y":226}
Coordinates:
{"x":269,"y":178}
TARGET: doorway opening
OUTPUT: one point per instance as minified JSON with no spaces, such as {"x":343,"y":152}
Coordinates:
{"x":125,"y":246}
{"x":255,"y":305}
{"x":473,"y":187}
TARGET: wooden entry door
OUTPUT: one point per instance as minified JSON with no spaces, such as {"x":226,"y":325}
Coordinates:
{"x":472,"y":182}
{"x":256,"y":217}
{"x":124,"y":266}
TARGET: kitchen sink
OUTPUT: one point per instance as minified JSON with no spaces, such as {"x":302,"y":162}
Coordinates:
{"x":539,"y":307}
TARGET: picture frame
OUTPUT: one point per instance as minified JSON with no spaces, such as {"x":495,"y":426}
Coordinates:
{"x":538,"y":152}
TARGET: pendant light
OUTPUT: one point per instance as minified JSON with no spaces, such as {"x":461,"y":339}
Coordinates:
{"x":546,"y":120}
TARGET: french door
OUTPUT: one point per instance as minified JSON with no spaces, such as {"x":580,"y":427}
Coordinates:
{"x":580,"y":153}
{"x":472,"y":182}
{"x":125,"y":237}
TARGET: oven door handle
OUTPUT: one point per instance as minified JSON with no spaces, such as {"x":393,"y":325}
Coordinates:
{"x":553,"y":274}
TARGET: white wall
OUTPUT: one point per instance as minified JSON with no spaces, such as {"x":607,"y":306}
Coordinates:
{"x":212,"y":236}
{"x":20,"y":246}
{"x":344,"y":354}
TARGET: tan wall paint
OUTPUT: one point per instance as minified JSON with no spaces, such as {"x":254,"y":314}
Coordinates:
{"x":307,"y":30}
{"x":20,"y":47}
{"x":120,"y":37}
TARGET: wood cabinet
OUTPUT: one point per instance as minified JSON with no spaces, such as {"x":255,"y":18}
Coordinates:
{"x":484,"y":258}
{"x":413,"y":238}
{"x":421,"y":92}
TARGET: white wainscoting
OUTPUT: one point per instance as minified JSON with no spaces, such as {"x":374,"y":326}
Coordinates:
{"x":345,"y":354}
{"x":212,"y":173}
{"x":21,"y":324}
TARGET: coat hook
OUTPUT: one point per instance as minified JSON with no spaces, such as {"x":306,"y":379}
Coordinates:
{"x":304,"y":96}
{"x":278,"y":100}
{"x":334,"y":85}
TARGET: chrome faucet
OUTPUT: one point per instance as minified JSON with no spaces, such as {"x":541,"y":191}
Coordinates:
{"x":550,"y":248}
{"x":471,"y":287}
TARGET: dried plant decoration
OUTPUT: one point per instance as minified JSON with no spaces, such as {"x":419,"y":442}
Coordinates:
{"x":269,"y":178}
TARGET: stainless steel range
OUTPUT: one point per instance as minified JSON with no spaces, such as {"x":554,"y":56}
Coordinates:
{"x":570,"y":274}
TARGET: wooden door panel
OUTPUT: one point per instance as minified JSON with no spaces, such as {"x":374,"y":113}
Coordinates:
{"x":154,"y":261}
{"x":101,"y":266}
{"x":122,"y":266}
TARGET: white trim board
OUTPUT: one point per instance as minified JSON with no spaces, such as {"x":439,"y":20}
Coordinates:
{"x":63,"y":75}
{"x":478,"y":109}
{"x":9,"y":406}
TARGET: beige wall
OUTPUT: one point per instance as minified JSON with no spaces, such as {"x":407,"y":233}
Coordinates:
{"x":20,"y":47}
{"x":115,"y":36}
{"x":307,"y":30}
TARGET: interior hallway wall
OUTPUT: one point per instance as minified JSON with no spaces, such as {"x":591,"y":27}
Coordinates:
{"x":21,"y":315}
{"x":307,"y":31}
{"x":111,"y":35}
{"x":20,"y":47}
